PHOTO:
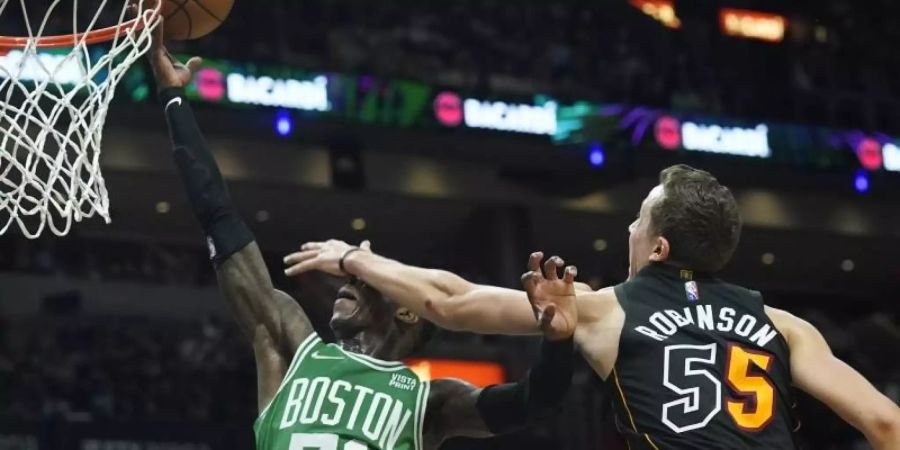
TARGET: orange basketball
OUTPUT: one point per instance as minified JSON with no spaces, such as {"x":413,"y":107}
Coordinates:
{"x":192,"y":19}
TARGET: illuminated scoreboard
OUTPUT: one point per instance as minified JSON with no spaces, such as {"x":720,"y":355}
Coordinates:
{"x":479,"y":373}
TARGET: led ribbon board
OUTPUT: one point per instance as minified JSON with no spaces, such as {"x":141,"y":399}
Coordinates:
{"x":414,"y":104}
{"x":328,"y":95}
{"x":650,"y":129}
{"x":51,"y":66}
{"x":538,"y":118}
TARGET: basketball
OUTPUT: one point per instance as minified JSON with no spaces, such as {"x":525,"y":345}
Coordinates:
{"x":193,"y":19}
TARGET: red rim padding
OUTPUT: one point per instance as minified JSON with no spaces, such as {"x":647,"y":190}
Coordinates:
{"x":71,"y":40}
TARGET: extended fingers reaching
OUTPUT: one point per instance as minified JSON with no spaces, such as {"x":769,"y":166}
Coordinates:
{"x":534,"y":261}
{"x":312,"y":246}
{"x":552,"y":266}
{"x":530,"y":281}
{"x":193,"y":65}
{"x":570,"y":274}
{"x":303,"y":267}
{"x":299,"y":257}
{"x":301,"y":262}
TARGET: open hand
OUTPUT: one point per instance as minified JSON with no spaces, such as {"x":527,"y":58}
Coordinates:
{"x":552,"y":298}
{"x":321,"y":256}
{"x":168,"y":72}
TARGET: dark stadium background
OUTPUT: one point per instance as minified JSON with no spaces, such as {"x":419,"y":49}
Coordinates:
{"x":115,"y":337}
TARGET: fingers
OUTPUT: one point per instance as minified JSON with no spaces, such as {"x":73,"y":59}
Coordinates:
{"x":366,"y":246}
{"x":570,"y":274}
{"x":299,"y":269}
{"x":193,"y":65}
{"x":530,"y":281}
{"x":552,"y":266}
{"x":299,"y":257}
{"x":158,"y":37}
{"x":546,"y":317}
{"x":312,"y":246}
{"x":534,"y":261}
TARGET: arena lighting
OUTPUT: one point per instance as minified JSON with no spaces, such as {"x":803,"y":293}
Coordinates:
{"x":848,"y":265}
{"x":752,"y":24}
{"x":479,"y":373}
{"x":513,"y":117}
{"x":163,"y":207}
{"x":750,"y":142}
{"x":308,"y":95}
{"x":210,"y":84}
{"x":861,"y":181}
{"x":597,"y":155}
{"x":869,"y":152}
{"x":661,"y":10}
{"x":284,"y":125}
{"x":891,"y":158}
{"x":448,"y":109}
{"x":668,"y":133}
{"x":42,"y":67}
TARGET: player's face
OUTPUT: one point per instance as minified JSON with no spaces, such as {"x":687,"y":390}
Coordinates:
{"x":358,"y":307}
{"x":641,"y":239}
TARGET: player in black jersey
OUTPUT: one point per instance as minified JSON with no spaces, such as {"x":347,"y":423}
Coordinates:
{"x":695,"y":362}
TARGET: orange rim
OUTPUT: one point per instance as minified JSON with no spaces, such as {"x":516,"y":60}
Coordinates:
{"x":71,"y":40}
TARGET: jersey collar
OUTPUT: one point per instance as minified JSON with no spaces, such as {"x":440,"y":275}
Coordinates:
{"x":674,"y":271}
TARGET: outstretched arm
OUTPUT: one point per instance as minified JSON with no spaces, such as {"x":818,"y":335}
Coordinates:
{"x":445,"y":298}
{"x":275,"y":324}
{"x":439,"y":296}
{"x":818,"y":372}
{"x":457,"y":408}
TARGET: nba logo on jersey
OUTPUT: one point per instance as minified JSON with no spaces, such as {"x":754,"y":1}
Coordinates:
{"x":693,"y":293}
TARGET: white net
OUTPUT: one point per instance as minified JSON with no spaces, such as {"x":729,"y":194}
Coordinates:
{"x":55,"y":92}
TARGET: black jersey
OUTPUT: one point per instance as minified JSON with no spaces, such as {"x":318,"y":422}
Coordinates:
{"x":700,"y":366}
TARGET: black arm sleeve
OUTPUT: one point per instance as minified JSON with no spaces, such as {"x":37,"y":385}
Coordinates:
{"x":226,"y":233}
{"x":508,"y":407}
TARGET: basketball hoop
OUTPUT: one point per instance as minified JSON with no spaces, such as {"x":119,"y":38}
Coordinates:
{"x":55,"y":91}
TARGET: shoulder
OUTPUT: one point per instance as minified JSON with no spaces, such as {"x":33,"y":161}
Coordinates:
{"x":746,"y":293}
{"x":596,"y":305}
{"x":793,"y":328}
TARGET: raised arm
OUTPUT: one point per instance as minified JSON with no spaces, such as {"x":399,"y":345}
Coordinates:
{"x":457,"y":408}
{"x":819,"y":373}
{"x":275,"y":324}
{"x":439,"y":296}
